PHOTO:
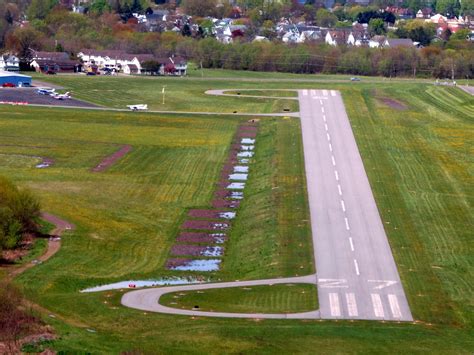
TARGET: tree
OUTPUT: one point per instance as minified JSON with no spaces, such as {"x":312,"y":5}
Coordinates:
{"x":199,"y":7}
{"x":467,"y":8}
{"x":377,"y":27}
{"x":325,"y":19}
{"x":39,"y":9}
{"x":98,"y":7}
{"x":448,"y":7}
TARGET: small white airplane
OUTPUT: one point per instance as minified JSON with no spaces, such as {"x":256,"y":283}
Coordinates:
{"x":46,"y":91}
{"x":138,"y":107}
{"x":61,"y":96}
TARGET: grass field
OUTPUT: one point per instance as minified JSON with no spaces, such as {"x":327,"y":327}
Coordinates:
{"x":257,"y":299}
{"x":419,"y":163}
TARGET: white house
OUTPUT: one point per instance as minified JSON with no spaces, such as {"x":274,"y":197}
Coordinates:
{"x":377,"y":41}
{"x":9,"y":63}
{"x":113,"y":59}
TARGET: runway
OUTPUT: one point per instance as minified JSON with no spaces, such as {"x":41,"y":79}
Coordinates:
{"x":357,"y":275}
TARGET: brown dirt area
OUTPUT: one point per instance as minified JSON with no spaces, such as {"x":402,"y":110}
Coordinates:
{"x":396,"y":105}
{"x":111,"y":159}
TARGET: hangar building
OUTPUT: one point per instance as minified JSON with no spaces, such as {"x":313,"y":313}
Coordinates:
{"x":14,"y":78}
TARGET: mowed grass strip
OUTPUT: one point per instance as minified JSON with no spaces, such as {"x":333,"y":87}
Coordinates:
{"x":290,"y":298}
{"x":271,"y":236}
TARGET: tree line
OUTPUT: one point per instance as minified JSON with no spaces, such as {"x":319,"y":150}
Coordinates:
{"x":311,"y":58}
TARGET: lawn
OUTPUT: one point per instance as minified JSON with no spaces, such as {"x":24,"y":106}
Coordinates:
{"x":257,"y":299}
{"x":419,"y":162}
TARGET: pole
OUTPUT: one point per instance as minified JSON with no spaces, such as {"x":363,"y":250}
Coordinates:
{"x":163,"y":91}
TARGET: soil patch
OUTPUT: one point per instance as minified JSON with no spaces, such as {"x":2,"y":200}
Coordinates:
{"x":208,"y":225}
{"x":211,"y":214}
{"x":396,"y":105}
{"x":209,"y":238}
{"x":220,"y":203}
{"x":107,"y":162}
{"x":196,"y":250}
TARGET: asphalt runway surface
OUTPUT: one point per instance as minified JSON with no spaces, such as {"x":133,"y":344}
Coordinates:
{"x":30,"y":96}
{"x":357,"y":275}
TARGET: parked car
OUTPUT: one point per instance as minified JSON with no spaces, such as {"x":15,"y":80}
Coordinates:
{"x":51,"y":72}
{"x":91,"y":73}
{"x":8,"y":85}
{"x":355,"y":79}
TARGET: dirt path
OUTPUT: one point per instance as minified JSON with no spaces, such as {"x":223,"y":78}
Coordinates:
{"x":111,"y":159}
{"x":53,"y":243}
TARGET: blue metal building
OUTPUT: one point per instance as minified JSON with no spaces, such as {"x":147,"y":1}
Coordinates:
{"x":14,"y":78}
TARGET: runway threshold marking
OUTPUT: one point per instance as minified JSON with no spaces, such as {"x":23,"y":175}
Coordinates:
{"x":325,"y":92}
{"x":377,"y":305}
{"x":333,"y":93}
{"x":305,"y":92}
{"x":351,"y":305}
{"x":334,"y":305}
{"x":394,"y":306}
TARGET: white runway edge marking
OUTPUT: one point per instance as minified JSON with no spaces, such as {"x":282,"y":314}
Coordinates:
{"x":329,"y":137}
{"x":336,"y":174}
{"x":351,"y":305}
{"x":334,"y":304}
{"x":333,"y":93}
{"x":377,"y":304}
{"x":347,"y":223}
{"x":351,"y":243}
{"x":343,"y":206}
{"x":330,"y":147}
{"x":356,"y":266}
{"x":339,"y":189}
{"x":325,"y":92}
{"x":333,"y":160}
{"x":305,"y":92}
{"x":394,"y":306}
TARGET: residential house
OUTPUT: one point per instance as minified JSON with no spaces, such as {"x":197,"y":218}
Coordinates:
{"x":54,"y":62}
{"x":336,"y":38}
{"x":9,"y":62}
{"x":358,"y":39}
{"x":398,"y":42}
{"x":377,"y":41}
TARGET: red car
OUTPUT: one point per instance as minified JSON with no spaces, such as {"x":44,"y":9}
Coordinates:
{"x":8,"y":85}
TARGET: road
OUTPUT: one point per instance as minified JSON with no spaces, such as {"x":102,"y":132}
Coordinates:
{"x":357,"y":275}
{"x":147,"y":299}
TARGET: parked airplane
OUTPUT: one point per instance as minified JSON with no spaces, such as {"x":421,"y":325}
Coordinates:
{"x":46,"y":91}
{"x":61,"y":96}
{"x":138,"y":107}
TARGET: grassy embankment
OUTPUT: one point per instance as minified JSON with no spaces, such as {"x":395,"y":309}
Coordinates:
{"x":418,"y":162}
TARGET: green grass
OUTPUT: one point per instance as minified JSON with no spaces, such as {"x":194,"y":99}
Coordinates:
{"x":272,"y":93}
{"x":291,"y":298}
{"x":419,"y":163}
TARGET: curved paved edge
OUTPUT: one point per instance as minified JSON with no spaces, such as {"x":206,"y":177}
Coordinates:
{"x":223,"y":93}
{"x":53,"y":245}
{"x":148,"y":299}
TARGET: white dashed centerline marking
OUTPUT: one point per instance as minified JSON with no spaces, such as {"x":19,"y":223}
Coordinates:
{"x":336,"y":174}
{"x":324,"y":118}
{"x":343,"y":206}
{"x":334,"y":304}
{"x":330,"y":147}
{"x":326,"y":127}
{"x":339,"y":189}
{"x":394,"y":306}
{"x":322,"y":109}
{"x":333,"y":160}
{"x":356,"y":265}
{"x":320,"y":101}
{"x":351,"y":243}
{"x":347,"y":223}
{"x":329,"y":137}
{"x":351,"y":305}
{"x":377,"y":304}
